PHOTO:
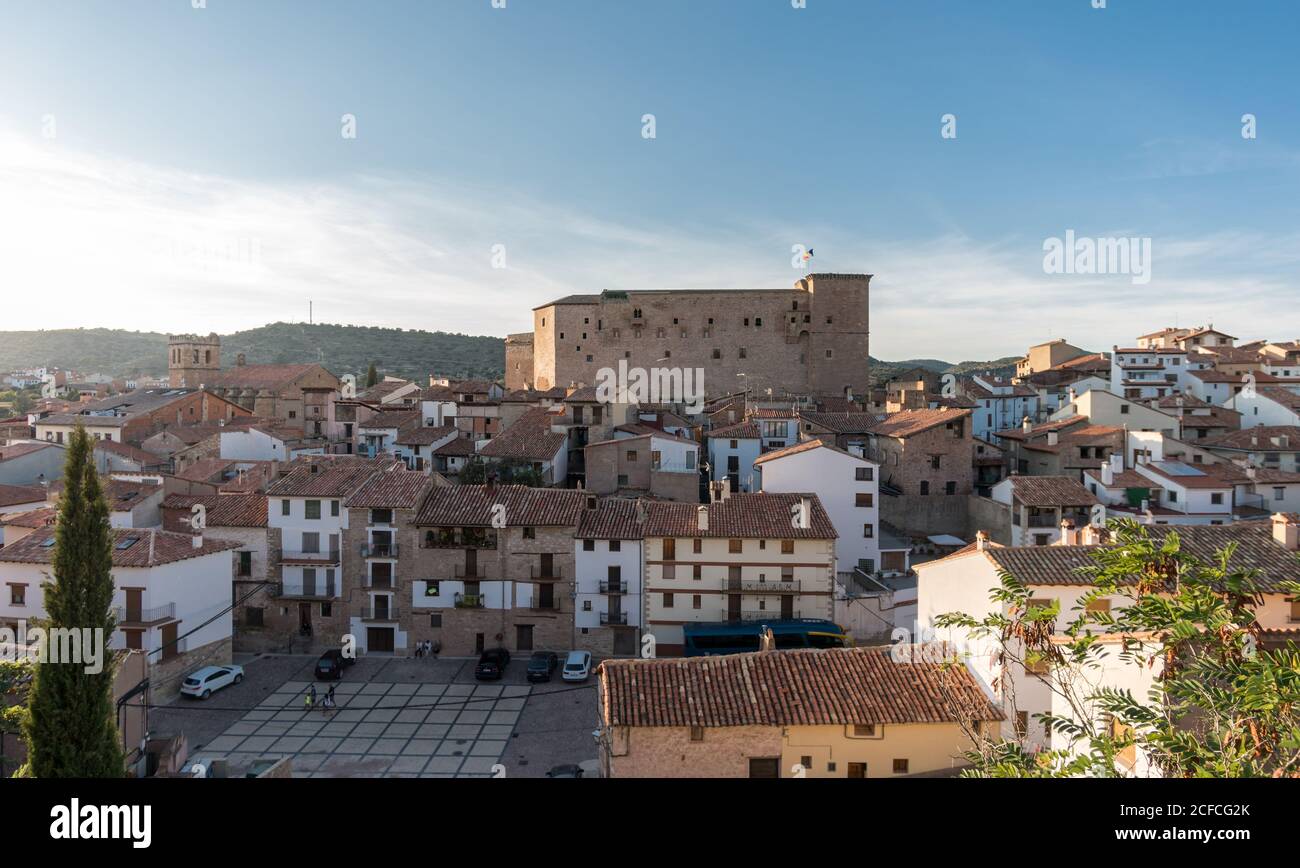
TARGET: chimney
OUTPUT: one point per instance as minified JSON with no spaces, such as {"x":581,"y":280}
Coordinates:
{"x":1090,"y":536}
{"x":591,"y":502}
{"x":805,"y":513}
{"x":1074,"y":394}
{"x":240,"y":361}
{"x":702,"y":518}
{"x":1146,"y":506}
{"x":1286,"y":531}
{"x":490,"y":484}
{"x":1053,"y":438}
{"x":1026,"y":425}
{"x":981,"y":540}
{"x":766,"y":641}
{"x":197,"y":541}
{"x":1107,"y":474}
{"x":731,"y":417}
{"x":1069,"y":536}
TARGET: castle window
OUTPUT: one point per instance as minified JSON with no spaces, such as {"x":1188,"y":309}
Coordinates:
{"x":668,"y":354}
{"x":207,"y":357}
{"x":561,"y":335}
{"x":585,"y":321}
{"x":636,"y":313}
{"x":758,"y":322}
{"x":717,"y":353}
{"x":674,"y":320}
{"x":743,"y":353}
{"x":617,"y":333}
{"x":588,"y":357}
{"x":830,"y":354}
{"x":659,"y":333}
{"x":794,"y":305}
{"x":746,"y":322}
{"x":828,"y":320}
{"x":710,"y":320}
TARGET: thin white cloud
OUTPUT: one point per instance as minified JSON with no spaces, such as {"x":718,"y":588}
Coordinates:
{"x":92,"y":240}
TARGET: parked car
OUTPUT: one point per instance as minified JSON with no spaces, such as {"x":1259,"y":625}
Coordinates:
{"x":331,"y":664}
{"x":565,"y":771}
{"x":210,"y":679}
{"x":577,"y":666}
{"x":492,"y":664}
{"x":541,"y":665}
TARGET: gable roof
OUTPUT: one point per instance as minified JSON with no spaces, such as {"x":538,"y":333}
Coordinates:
{"x":474,"y":506}
{"x":806,"y":446}
{"x":761,"y":515}
{"x":909,"y":423}
{"x":530,"y":438}
{"x":151,"y":548}
{"x":1051,"y":491}
{"x":12,"y":495}
{"x":832,"y":687}
{"x":396,"y":489}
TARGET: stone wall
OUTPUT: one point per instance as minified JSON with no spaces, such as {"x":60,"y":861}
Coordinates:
{"x":778,"y":338}
{"x":165,"y":676}
{"x":724,"y":752}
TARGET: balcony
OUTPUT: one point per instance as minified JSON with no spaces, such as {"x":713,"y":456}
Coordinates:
{"x":379,"y":613}
{"x":124,"y":615}
{"x":470,"y":601}
{"x":545,"y":574}
{"x":618,"y":588}
{"x":1044,"y":519}
{"x":540,"y":606}
{"x":330,"y":558}
{"x":380,"y":583}
{"x":380,"y":550}
{"x":768,"y":615}
{"x":317,"y":590}
{"x":461,"y":571}
{"x":467,"y":539}
{"x":615,"y":618}
{"x":790,"y":587}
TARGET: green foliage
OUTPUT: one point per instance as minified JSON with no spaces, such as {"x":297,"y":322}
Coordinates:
{"x":882,"y":372}
{"x":71,"y":726}
{"x":1220,"y":705}
{"x":372,"y":376}
{"x":476,"y":471}
{"x":340,"y":348}
{"x":15,"y":679}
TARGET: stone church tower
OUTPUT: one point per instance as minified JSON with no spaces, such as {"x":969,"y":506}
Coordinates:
{"x":192,"y":359}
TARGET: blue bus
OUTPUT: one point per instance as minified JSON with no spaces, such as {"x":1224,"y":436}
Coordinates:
{"x":740,"y":637}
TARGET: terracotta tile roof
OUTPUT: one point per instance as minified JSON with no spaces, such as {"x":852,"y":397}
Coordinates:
{"x":475,"y":387}
{"x":34,"y":518}
{"x":1265,"y":438}
{"x":12,"y":495}
{"x":746,"y":516}
{"x":909,"y":423}
{"x":582,"y":395}
{"x":130,"y":453}
{"x":739,"y":431}
{"x":843,"y":423}
{"x":838,"y":405}
{"x":17,"y":449}
{"x":207,"y":470}
{"x":335,"y":478}
{"x":832,"y":687}
{"x":1051,"y":491}
{"x":151,"y":548}
{"x":473,"y":506}
{"x":421,"y":436}
{"x":396,"y":489}
{"x":530,"y":438}
{"x":460,"y":446}
{"x":272,"y":377}
{"x":391,"y":419}
{"x":1256,"y":548}
{"x":613,"y":518}
{"x":225,"y":510}
{"x":121,"y":494}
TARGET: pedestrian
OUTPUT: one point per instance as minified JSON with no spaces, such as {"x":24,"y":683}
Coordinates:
{"x":329,"y":697}
{"x":310,"y":698}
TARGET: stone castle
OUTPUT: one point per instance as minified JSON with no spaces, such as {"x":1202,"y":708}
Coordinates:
{"x":810,"y":340}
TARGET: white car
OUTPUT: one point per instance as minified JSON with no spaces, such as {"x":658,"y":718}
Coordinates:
{"x":210,"y":679}
{"x":577,"y":666}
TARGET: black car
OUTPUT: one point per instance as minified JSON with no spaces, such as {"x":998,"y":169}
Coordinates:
{"x":331,"y":664}
{"x":565,"y":771}
{"x":492,"y":664}
{"x":541,"y":665}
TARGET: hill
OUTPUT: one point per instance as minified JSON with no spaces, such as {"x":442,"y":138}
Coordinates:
{"x":340,"y":348}
{"x":883,"y":371}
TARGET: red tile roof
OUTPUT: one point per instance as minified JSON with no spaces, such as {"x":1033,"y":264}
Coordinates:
{"x":151,"y":548}
{"x":337,"y":477}
{"x":396,"y":489}
{"x":747,"y":516}
{"x":34,"y":518}
{"x":832,"y":687}
{"x":613,"y":518}
{"x":420,"y":436}
{"x":806,"y":446}
{"x":474,"y":506}
{"x":272,"y":377}
{"x":13,"y":495}
{"x":16,"y":449}
{"x":909,"y":423}
{"x":530,"y":438}
{"x":1051,"y":491}
{"x":227,"y":510}
{"x":739,"y":431}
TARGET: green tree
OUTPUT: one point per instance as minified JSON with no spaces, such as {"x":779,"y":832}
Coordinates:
{"x":15,"y":678}
{"x":372,"y":376}
{"x":71,"y":727}
{"x":1220,"y":706}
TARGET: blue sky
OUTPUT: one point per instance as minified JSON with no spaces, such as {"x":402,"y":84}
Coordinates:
{"x":196,"y":176}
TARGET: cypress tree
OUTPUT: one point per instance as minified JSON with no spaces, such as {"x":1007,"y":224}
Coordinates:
{"x":71,"y":726}
{"x":372,"y":376}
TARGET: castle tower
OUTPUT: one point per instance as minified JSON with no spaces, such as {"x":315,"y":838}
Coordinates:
{"x":192,"y":359}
